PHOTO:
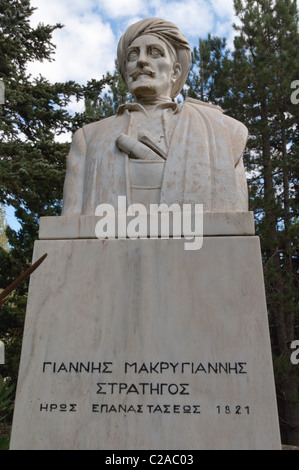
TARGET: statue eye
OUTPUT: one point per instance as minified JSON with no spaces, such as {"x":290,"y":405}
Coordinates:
{"x":133,"y":55}
{"x":155,"y":52}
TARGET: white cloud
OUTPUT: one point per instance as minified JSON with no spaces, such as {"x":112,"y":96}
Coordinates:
{"x":193,"y":17}
{"x":86,"y":46}
{"x":58,"y":11}
{"x":123,"y":8}
{"x":64,"y":138}
{"x":223,"y":8}
{"x":197,"y":18}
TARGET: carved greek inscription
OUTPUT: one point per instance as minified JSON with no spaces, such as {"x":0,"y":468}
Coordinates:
{"x":158,"y":396}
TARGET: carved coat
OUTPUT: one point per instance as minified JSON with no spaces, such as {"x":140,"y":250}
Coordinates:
{"x":204,"y":160}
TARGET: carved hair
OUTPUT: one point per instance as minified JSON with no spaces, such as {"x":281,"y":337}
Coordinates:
{"x":167,"y":32}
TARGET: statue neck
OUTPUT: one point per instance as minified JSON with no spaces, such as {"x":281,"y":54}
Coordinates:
{"x":149,"y":102}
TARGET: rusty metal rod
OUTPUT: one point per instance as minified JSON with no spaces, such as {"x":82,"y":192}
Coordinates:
{"x":20,"y":279}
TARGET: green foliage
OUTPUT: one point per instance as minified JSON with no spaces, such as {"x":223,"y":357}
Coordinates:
{"x":106,"y":104}
{"x":209,"y":78}
{"x":265,"y":62}
{"x":34,"y":115}
{"x":6,"y":390}
{"x":252,"y":83}
{"x":6,"y":408}
{"x":33,"y":120}
{"x":4,"y":443}
{"x":3,"y":226}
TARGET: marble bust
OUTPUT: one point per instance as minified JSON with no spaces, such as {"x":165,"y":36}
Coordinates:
{"x":155,"y":150}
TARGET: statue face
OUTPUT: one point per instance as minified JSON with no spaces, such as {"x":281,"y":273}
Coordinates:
{"x":151,"y":70}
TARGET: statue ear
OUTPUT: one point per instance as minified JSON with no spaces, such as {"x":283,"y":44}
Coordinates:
{"x":177,"y":71}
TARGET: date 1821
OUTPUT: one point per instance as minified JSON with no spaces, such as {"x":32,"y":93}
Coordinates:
{"x":232,"y":410}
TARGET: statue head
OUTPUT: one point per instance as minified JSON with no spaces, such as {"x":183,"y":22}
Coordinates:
{"x":154,"y":58}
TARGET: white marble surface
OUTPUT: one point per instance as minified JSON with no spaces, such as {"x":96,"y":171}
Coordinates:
{"x":200,"y":147}
{"x":152,"y":303}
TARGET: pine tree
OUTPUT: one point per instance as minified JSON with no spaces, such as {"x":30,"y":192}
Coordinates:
{"x":3,"y":226}
{"x":265,"y":63}
{"x":209,"y":77}
{"x":32,"y":161}
{"x":252,"y":83}
{"x":34,"y":114}
{"x":107,"y":103}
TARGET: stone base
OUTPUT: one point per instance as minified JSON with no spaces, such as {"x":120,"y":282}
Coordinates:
{"x":139,"y":344}
{"x":214,"y":223}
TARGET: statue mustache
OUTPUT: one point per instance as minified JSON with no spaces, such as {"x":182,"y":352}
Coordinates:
{"x":142,"y":71}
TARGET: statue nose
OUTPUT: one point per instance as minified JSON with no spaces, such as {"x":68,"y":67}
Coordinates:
{"x":142,"y":59}
{"x":142,"y":62}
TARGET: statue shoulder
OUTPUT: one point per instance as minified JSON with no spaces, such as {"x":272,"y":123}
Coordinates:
{"x":199,"y":103}
{"x":235,"y":127}
{"x":98,"y":125}
{"x":236,"y":131}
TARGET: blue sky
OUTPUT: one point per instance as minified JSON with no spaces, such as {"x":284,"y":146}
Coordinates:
{"x":86,"y":46}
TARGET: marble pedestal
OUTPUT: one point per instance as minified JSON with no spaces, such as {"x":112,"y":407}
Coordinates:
{"x":140,"y":344}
